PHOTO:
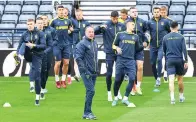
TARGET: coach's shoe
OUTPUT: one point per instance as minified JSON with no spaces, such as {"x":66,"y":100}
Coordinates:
{"x":69,"y":80}
{"x":114,"y":103}
{"x":138,"y":91}
{"x":173,"y":102}
{"x":58,"y":84}
{"x":42,"y":96}
{"x":110,"y":98}
{"x":63,"y":84}
{"x":129,"y":104}
{"x":182,"y":99}
{"x":32,"y":89}
{"x":36,"y":102}
{"x":90,"y":117}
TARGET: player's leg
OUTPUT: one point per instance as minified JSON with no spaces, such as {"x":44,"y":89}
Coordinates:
{"x":153,"y":61}
{"x":36,"y":67}
{"x":171,"y":73}
{"x":31,"y":79}
{"x":165,"y":72}
{"x":71,"y":64}
{"x":65,"y":67}
{"x":140,"y":62}
{"x":131,"y":71}
{"x":58,"y":58}
{"x":119,"y":75}
{"x":90,"y":91}
{"x":77,"y":73}
{"x":43,"y":76}
{"x":160,"y":65}
{"x":180,"y":73}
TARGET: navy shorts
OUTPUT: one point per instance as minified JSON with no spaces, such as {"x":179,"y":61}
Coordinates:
{"x":61,"y":52}
{"x":126,"y":67}
{"x":139,"y":56}
{"x":175,"y":66}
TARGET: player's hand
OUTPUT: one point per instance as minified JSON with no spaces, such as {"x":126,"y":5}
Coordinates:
{"x":30,"y":45}
{"x":119,"y":50}
{"x":103,"y":26}
{"x":145,"y":44}
{"x":185,"y":65}
{"x":69,"y":31}
{"x":71,"y":28}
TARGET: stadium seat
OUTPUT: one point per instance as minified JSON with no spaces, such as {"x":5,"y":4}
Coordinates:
{"x":30,"y":9}
{"x":12,"y":9}
{"x":102,"y":8}
{"x":2,"y":2}
{"x":179,"y":2}
{"x":32,"y":2}
{"x":190,"y":38}
{"x":177,"y":9}
{"x":100,"y":18}
{"x":178,"y":18}
{"x":6,"y":27}
{"x":21,"y":26}
{"x":96,"y":13}
{"x":106,"y":3}
{"x":64,"y":2}
{"x":24,"y":18}
{"x":189,"y":26}
{"x":190,"y":19}
{"x":144,"y":17}
{"x":14,"y":2}
{"x":46,"y":9}
{"x":46,"y":2}
{"x":143,"y":9}
{"x":191,"y":9}
{"x":162,"y":2}
{"x":144,"y":2}
{"x":49,"y":16}
{"x":192,"y":2}
{"x":8,"y":18}
{"x":1,"y":9}
{"x":16,"y":40}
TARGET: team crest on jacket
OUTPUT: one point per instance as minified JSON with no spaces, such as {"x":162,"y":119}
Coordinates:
{"x":133,"y":37}
{"x":162,"y":23}
{"x":140,"y":24}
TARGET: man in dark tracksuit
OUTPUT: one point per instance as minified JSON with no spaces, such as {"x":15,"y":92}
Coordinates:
{"x":164,"y":13}
{"x":158,"y":27}
{"x":140,"y":29}
{"x":127,"y":45}
{"x":32,"y":45}
{"x":86,"y":58}
{"x":175,"y":51}
{"x":51,"y":40}
{"x":79,"y":25}
{"x":61,"y":49}
{"x":109,"y":30}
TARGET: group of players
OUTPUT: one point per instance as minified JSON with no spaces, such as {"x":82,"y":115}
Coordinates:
{"x":124,"y":40}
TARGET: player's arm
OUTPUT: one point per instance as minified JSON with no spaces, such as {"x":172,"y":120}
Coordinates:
{"x":167,"y":27}
{"x":42,"y":40}
{"x":51,"y":23}
{"x":54,"y":37}
{"x":49,"y":43}
{"x":164,"y":45}
{"x":123,"y":27}
{"x":100,"y":29}
{"x":116,"y":42}
{"x":138,"y":47}
{"x":79,"y":56}
{"x":74,"y":22}
{"x":70,"y":26}
{"x":20,"y":43}
{"x":147,"y":31}
{"x":184,"y":50}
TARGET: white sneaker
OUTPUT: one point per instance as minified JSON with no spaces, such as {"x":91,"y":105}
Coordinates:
{"x":32,"y":89}
{"x":173,"y":102}
{"x":45,"y":91}
{"x":182,"y":100}
{"x":138,"y":91}
{"x":42,"y":96}
{"x":131,"y":105}
{"x":110,"y":98}
{"x":132,"y":93}
{"x":119,"y":96}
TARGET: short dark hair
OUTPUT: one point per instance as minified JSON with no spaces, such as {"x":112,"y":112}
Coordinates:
{"x":39,"y":18}
{"x":30,"y":20}
{"x":114,"y":14}
{"x":60,"y":6}
{"x":164,"y":8}
{"x":124,"y":11}
{"x":174,"y":24}
{"x":156,"y":8}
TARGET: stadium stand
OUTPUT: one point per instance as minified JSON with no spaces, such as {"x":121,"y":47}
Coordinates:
{"x":14,"y":13}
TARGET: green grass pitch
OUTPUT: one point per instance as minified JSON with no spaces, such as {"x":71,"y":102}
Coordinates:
{"x":66,"y":105}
